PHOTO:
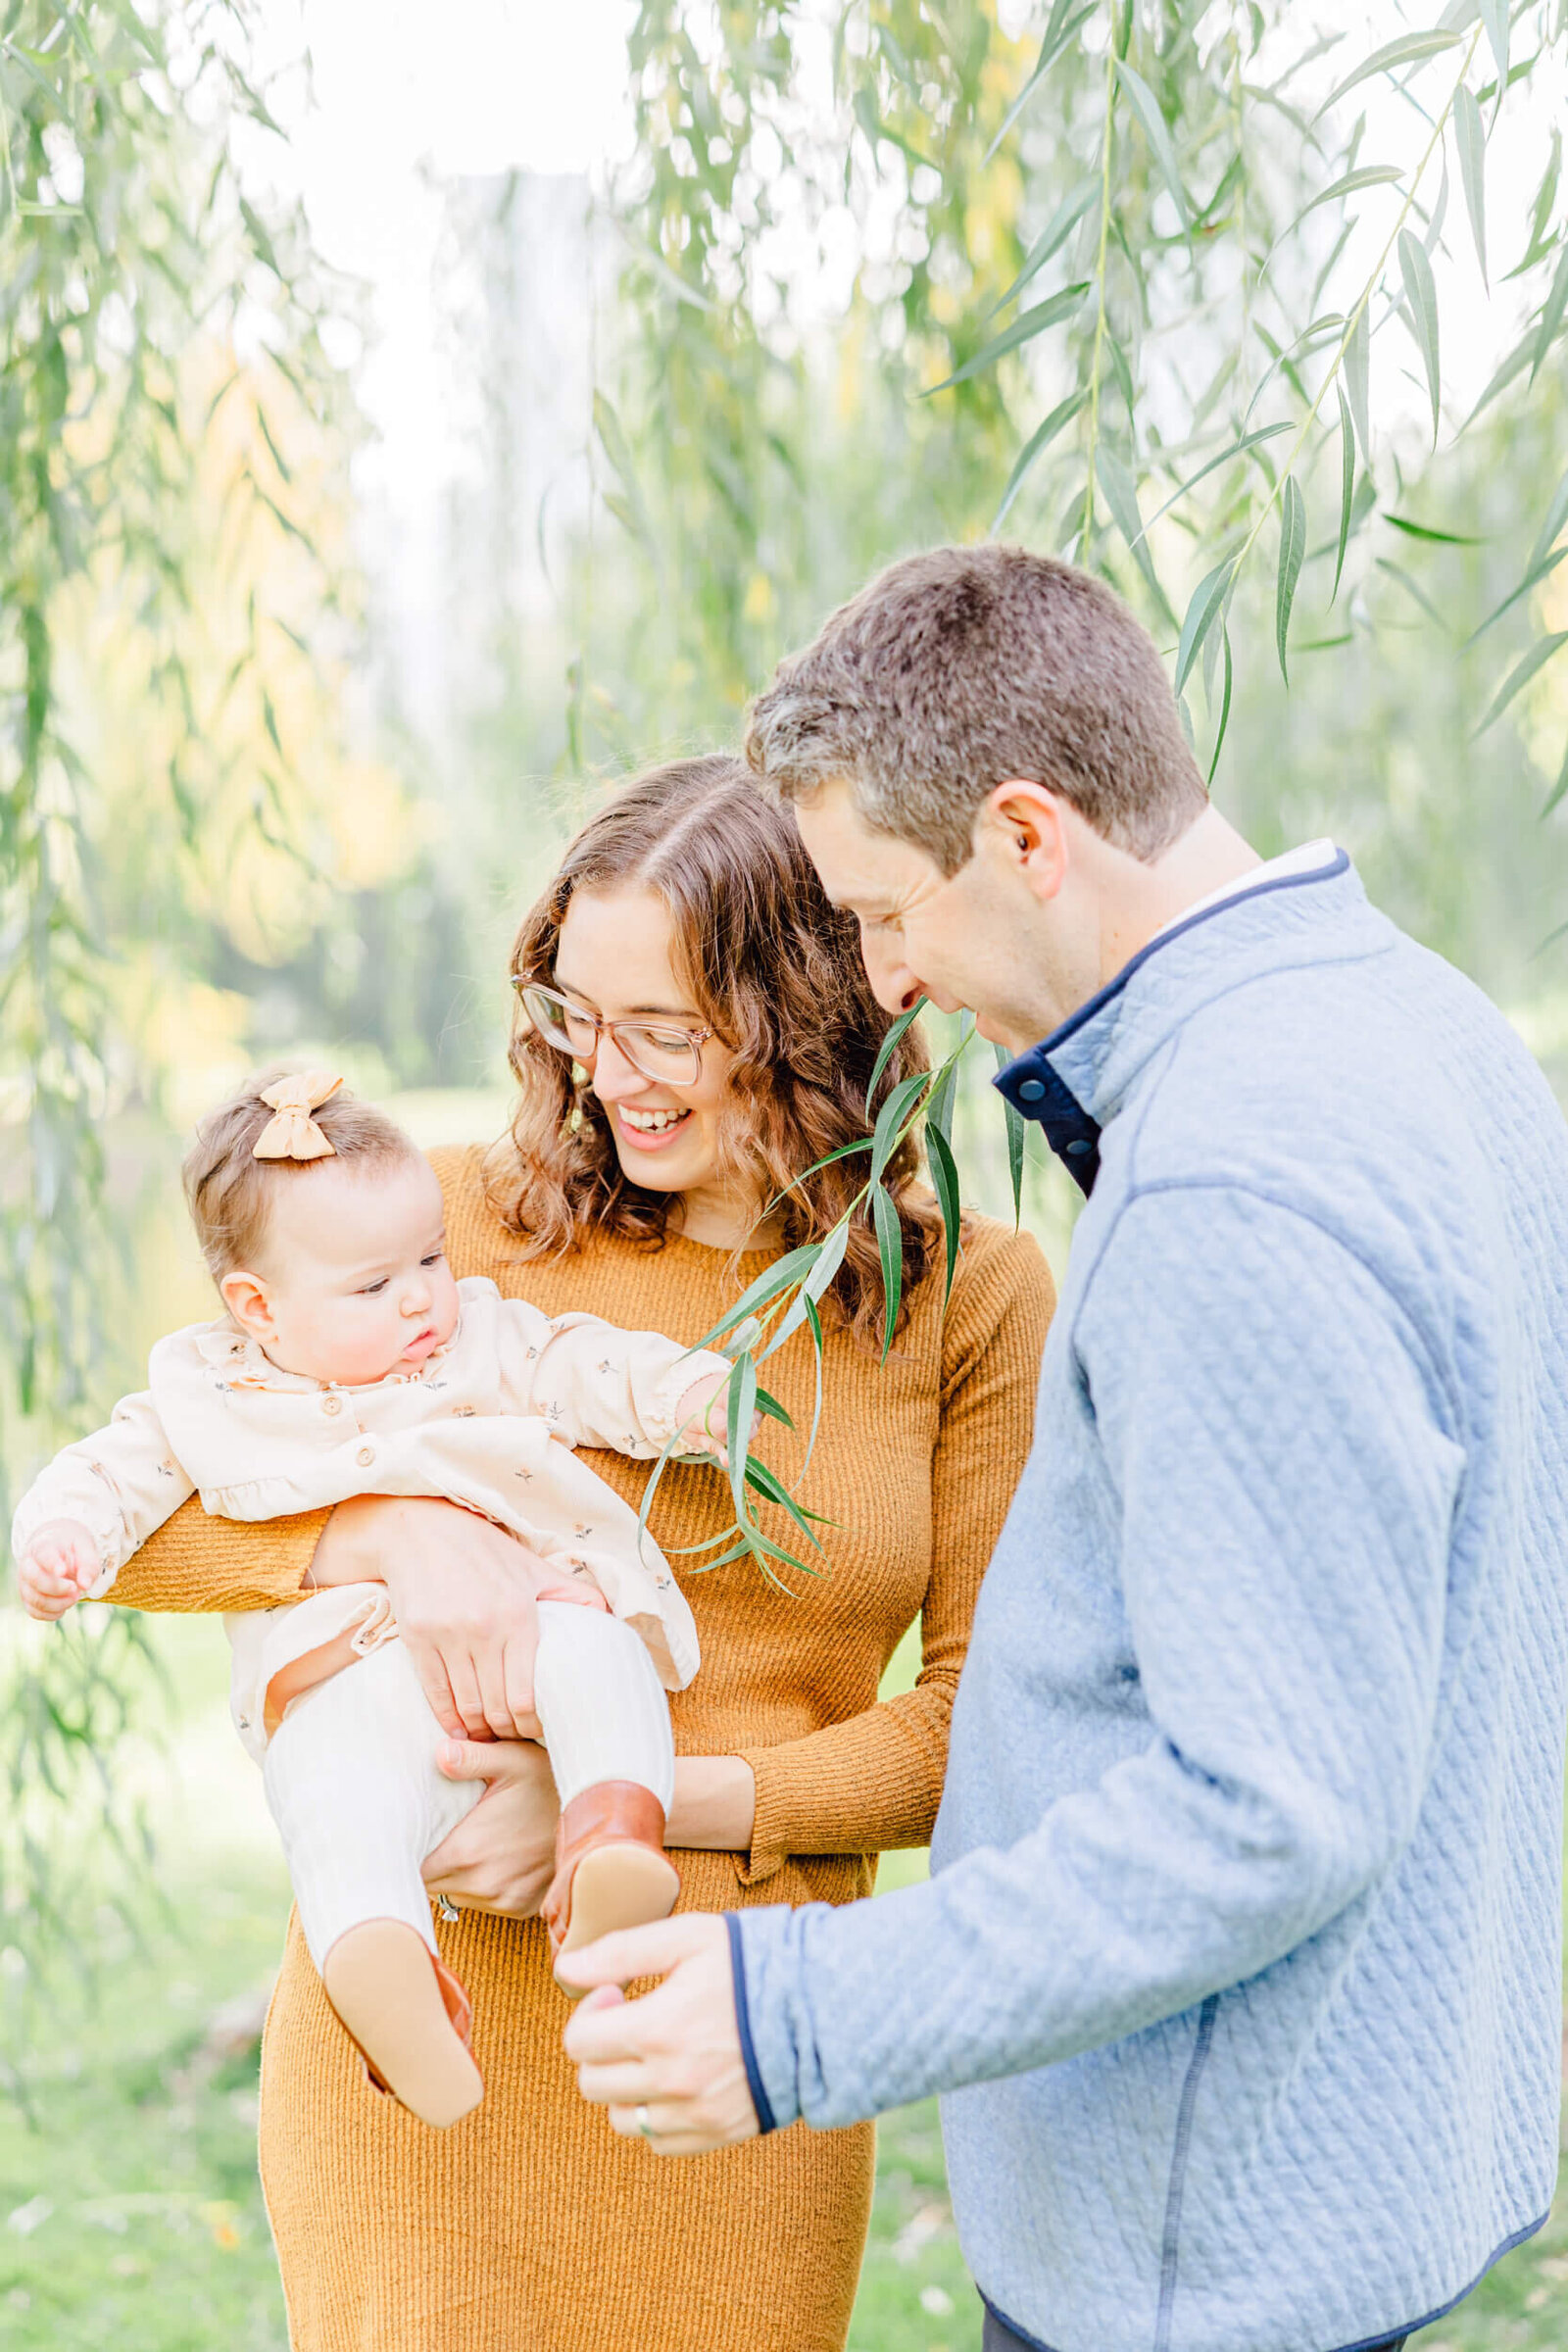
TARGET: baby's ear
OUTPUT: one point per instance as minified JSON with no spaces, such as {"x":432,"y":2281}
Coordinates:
{"x":245,"y":1296}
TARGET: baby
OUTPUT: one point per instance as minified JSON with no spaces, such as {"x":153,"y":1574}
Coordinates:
{"x":351,"y":1362}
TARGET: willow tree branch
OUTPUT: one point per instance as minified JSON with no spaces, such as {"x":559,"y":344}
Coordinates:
{"x":1088,"y":525}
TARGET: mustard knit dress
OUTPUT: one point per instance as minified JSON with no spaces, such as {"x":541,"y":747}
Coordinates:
{"x":529,"y":2227}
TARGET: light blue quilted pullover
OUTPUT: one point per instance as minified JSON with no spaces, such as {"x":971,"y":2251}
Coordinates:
{"x":1244,"y":1929}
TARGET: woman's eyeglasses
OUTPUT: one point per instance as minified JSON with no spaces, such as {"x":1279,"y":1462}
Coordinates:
{"x":656,"y":1049}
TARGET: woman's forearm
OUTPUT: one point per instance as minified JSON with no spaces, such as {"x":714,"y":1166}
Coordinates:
{"x":196,"y":1563}
{"x":715,"y":1804}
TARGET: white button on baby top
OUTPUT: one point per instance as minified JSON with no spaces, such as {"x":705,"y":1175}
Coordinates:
{"x":332,"y":1404}
{"x":366,"y":1456}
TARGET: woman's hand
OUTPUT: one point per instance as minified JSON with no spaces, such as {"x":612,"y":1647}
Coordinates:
{"x":465,"y":1594}
{"x":501,"y":1856}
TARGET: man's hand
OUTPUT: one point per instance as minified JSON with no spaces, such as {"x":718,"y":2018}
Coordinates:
{"x":57,"y":1567}
{"x":501,"y":1856}
{"x":465,"y":1594}
{"x":676,"y":2053}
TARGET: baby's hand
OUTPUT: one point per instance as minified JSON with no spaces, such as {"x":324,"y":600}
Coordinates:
{"x":57,"y":1567}
{"x":703,"y":1414}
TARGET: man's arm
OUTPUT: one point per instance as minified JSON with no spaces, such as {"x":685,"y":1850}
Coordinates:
{"x":1275,"y":1435}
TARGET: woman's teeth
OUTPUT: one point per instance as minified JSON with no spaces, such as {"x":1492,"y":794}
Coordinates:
{"x":651,"y":1122}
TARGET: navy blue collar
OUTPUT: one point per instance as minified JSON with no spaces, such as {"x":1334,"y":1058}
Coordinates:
{"x":1037,"y":1091}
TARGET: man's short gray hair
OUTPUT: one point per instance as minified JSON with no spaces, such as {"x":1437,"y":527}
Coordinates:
{"x":963,"y":668}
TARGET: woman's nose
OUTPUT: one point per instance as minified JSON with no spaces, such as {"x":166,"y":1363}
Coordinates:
{"x":612,"y":1075}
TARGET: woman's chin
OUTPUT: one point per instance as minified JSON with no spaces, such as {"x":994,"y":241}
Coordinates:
{"x":655,"y":1171}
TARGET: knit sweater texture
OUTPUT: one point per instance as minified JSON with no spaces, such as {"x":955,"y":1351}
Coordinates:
{"x":530,"y":2225}
{"x":1241,"y":1964}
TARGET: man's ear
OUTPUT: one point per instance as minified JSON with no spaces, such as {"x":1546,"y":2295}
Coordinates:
{"x":245,"y":1296}
{"x":1024,"y":824}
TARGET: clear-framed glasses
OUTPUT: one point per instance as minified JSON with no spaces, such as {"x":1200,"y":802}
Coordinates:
{"x":658,"y":1049}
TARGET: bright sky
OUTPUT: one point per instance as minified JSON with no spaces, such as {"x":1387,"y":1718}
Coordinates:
{"x":405,"y":97}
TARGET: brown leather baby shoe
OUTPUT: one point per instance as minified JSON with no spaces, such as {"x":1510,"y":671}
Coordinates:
{"x":408,"y":2017}
{"x":612,"y":1870}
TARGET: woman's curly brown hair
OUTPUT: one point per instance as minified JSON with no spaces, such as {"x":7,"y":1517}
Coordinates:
{"x":776,"y":970}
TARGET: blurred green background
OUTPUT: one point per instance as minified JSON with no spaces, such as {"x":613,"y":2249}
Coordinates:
{"x":401,"y":442}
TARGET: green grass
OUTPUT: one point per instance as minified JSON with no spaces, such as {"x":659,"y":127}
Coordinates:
{"x":130,"y":2215}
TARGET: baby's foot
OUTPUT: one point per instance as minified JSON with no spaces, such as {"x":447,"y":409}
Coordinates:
{"x":408,"y":2017}
{"x":612,"y":1870}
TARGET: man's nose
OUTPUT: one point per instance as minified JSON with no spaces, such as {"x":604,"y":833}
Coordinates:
{"x":894,"y":984}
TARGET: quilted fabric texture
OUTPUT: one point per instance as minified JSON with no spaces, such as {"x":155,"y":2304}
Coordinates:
{"x":1241,"y":1962}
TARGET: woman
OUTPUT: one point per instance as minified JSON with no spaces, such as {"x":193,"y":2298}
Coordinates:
{"x":697,"y":1030}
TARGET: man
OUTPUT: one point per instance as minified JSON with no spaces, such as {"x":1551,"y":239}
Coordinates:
{"x":1240,"y":1963}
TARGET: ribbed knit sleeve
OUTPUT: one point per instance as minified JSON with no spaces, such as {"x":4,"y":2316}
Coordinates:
{"x":197,"y":1563}
{"x":874,"y":1780}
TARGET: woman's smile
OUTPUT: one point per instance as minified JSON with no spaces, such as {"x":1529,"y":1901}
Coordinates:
{"x":647,"y":1129}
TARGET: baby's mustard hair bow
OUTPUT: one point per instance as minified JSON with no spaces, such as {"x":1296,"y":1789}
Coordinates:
{"x":292,"y":1133}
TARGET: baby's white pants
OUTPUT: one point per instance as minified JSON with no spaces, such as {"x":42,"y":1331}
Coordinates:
{"x":352,"y":1780}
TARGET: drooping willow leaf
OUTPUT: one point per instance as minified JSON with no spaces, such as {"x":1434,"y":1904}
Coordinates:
{"x":1421,"y":293}
{"x":1423,"y":530}
{"x":740,"y":1404}
{"x":1472,"y":143}
{"x":1349,"y":184}
{"x":940,"y":1107}
{"x":1059,"y":33}
{"x":1014,"y":1124}
{"x":892,"y":1116}
{"x":890,"y":1244}
{"x":1208,"y":599}
{"x":1531,"y":579}
{"x":1551,"y":315}
{"x":1266,"y":432}
{"x":1358,"y":379}
{"x":1558,"y":790}
{"x":1225,"y":706}
{"x":767,"y":1482}
{"x":885,"y":1051}
{"x":1520,"y":674}
{"x":1121,"y":497}
{"x":1292,"y":549}
{"x":1346,"y":486}
{"x":1022,"y":330}
{"x":828,"y":1255}
{"x":1555,"y":516}
{"x":1039,"y":440}
{"x":1057,"y":229}
{"x":1411,"y":48}
{"x":781,"y":1275}
{"x":1146,"y":106}
{"x":1495,"y":17}
{"x":945,"y":1184}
